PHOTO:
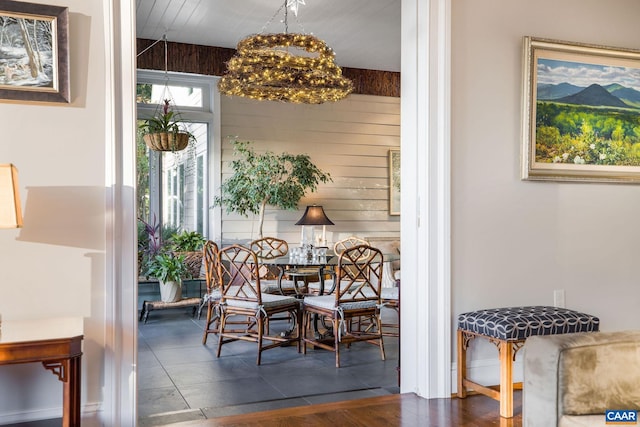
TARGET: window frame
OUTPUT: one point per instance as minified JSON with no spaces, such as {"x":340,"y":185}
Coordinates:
{"x":207,"y":114}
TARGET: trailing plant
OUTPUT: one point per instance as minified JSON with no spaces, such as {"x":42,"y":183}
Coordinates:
{"x":258,"y":180}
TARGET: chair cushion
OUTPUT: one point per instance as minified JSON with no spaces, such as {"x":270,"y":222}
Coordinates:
{"x":518,"y":323}
{"x":329,"y":302}
{"x":271,"y":286}
{"x":390,"y":293}
{"x":268,"y":301}
{"x":328,"y":284}
{"x":214,"y":295}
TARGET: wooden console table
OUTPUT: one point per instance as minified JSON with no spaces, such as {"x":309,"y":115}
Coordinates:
{"x":57,"y":344}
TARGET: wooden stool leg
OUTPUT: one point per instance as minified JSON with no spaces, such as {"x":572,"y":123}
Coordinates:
{"x":506,"y":379}
{"x":462,"y":365}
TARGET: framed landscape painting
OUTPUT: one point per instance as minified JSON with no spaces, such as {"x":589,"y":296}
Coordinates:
{"x":394,"y":182}
{"x":581,"y":112}
{"x":34,"y":52}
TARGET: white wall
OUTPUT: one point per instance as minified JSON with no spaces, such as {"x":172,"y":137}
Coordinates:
{"x":349,"y":139}
{"x":515,"y":242}
{"x":55,"y":265}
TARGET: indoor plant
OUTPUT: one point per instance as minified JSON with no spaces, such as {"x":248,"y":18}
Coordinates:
{"x":258,"y":180}
{"x":169,"y":269}
{"x":165,"y":131}
{"x":153,"y":239}
{"x":188,"y":244}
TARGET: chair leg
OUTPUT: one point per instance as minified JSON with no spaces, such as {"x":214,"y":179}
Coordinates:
{"x":261,"y":326}
{"x":298,"y":314}
{"x":207,"y":324}
{"x":223,"y":324}
{"x":336,"y":339}
{"x":379,"y":319}
{"x":305,"y":327}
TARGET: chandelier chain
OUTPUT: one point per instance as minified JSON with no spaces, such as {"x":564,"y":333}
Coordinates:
{"x":265,"y":26}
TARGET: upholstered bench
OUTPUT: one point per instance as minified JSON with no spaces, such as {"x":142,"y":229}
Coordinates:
{"x":508,"y":328}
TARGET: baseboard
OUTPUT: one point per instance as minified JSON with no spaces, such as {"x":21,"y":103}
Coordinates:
{"x":485,"y":372}
{"x":6,"y":418}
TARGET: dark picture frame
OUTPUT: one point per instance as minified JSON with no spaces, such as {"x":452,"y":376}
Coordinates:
{"x":580,"y":112}
{"x":34,"y":52}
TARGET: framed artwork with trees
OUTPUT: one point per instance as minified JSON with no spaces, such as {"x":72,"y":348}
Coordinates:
{"x":34,"y":52}
{"x":580,"y":113}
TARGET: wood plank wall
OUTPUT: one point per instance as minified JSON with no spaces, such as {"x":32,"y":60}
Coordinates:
{"x":349,"y":139}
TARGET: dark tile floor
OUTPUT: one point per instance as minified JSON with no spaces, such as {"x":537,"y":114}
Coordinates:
{"x":179,"y":379}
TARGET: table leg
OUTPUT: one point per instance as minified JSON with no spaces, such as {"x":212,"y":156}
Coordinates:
{"x":68,"y":371}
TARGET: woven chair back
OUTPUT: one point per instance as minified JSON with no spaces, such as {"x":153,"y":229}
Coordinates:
{"x":239,"y":275}
{"x":359,"y":274}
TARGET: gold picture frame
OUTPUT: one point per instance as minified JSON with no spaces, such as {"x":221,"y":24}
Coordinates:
{"x":394,"y":182}
{"x":35,"y":51}
{"x":580,"y":109}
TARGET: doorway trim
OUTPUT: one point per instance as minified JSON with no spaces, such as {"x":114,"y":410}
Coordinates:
{"x":425,"y":340}
{"x":425,"y":222}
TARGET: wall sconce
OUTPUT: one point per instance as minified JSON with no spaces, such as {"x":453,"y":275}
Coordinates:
{"x":314,"y":215}
{"x":10,"y":211}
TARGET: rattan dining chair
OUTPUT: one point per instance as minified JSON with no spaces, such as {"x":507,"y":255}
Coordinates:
{"x":213,"y":295}
{"x":315,"y":287}
{"x":273,"y":279}
{"x":356,"y":295}
{"x":242,"y":296}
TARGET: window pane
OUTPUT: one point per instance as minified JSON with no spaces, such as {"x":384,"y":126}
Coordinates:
{"x":182,"y":96}
{"x":183,"y":184}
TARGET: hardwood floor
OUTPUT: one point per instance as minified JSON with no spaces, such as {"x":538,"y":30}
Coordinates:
{"x":403,"y":410}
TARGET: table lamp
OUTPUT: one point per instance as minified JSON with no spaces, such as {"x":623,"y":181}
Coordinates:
{"x":10,"y":212}
{"x":314,"y":215}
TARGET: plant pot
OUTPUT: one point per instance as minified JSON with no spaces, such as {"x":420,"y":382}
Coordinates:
{"x":170,"y":291}
{"x":166,"y":141}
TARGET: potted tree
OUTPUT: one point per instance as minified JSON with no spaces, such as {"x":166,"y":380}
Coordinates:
{"x":189,"y":245}
{"x":165,"y":131}
{"x":169,"y":269}
{"x":258,"y":180}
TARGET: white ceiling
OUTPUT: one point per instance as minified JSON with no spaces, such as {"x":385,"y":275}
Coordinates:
{"x":362,"y":33}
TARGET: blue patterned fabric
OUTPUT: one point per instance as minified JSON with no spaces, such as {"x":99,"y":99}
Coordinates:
{"x":518,"y":323}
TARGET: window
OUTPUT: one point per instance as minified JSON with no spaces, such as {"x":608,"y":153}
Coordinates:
{"x":172,"y":186}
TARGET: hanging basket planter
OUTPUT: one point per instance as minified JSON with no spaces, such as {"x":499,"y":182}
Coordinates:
{"x":166,"y":141}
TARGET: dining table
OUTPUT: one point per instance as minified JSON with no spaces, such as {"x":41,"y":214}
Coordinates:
{"x":301,"y":267}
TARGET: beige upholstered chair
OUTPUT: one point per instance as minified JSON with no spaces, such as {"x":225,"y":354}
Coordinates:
{"x":573,"y":379}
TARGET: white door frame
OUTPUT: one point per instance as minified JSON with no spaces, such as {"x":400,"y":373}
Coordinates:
{"x":425,"y":223}
{"x":425,"y":145}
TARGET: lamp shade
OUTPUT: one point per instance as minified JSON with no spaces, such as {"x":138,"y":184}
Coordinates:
{"x":10,"y":212}
{"x":314,"y":215}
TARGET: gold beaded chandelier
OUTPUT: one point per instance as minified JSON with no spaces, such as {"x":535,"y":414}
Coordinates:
{"x":265,"y":68}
